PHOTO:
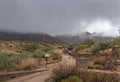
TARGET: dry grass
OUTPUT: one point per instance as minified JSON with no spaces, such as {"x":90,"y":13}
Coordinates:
{"x":26,"y":64}
{"x":25,"y":60}
{"x":50,"y":61}
{"x":63,"y":72}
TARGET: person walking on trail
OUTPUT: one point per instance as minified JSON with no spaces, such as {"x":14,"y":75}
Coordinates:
{"x":70,"y":50}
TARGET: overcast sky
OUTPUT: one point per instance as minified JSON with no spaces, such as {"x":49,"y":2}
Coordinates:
{"x":60,"y":16}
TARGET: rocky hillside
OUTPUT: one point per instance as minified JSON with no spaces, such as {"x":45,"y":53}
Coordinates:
{"x":12,"y":36}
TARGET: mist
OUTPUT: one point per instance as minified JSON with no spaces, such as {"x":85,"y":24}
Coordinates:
{"x":58,"y":17}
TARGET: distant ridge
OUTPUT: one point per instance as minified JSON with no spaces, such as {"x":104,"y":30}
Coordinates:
{"x":33,"y":37}
{"x":81,"y":38}
{"x":46,"y":38}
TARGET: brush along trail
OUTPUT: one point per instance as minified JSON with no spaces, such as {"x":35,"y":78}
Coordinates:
{"x":41,"y":76}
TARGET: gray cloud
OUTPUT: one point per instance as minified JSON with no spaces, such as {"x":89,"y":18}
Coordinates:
{"x":56,"y":16}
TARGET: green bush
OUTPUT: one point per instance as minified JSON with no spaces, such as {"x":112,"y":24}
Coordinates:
{"x":117,"y":41}
{"x":93,"y":66}
{"x":6,"y":62}
{"x":38,"y":53}
{"x":72,"y":79}
{"x":100,"y":46}
{"x":90,"y":66}
{"x":10,"y":63}
{"x":30,"y":47}
{"x":25,"y":55}
{"x":47,"y":48}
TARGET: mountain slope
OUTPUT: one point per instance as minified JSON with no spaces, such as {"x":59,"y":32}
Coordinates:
{"x":81,"y":38}
{"x":12,"y":36}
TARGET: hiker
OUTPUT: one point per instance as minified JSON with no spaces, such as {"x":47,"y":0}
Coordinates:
{"x":70,"y":50}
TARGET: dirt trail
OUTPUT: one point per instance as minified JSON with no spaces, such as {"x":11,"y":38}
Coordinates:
{"x":41,"y":76}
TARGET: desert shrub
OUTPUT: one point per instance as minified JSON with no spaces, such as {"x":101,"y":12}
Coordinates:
{"x":100,"y":46}
{"x":25,"y":55}
{"x":30,"y":47}
{"x":38,"y":53}
{"x":26,"y":64}
{"x":82,"y":46}
{"x":88,"y":41}
{"x":99,"y":61}
{"x":47,"y":48}
{"x":95,"y":48}
{"x":20,"y":62}
{"x":62,"y":72}
{"x":85,"y":44}
{"x":104,"y":64}
{"x":110,"y":65}
{"x":56,"y":56}
{"x":118,"y":53}
{"x":95,"y":76}
{"x":93,"y":66}
{"x":90,"y":66}
{"x":117,"y":41}
{"x":6,"y":62}
{"x":72,"y":79}
{"x":100,"y":77}
{"x":64,"y":46}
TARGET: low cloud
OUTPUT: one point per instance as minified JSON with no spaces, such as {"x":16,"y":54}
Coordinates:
{"x":60,"y":16}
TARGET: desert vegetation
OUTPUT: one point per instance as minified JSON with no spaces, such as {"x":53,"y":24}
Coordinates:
{"x":103,"y":56}
{"x":71,"y":73}
{"x":15,"y":55}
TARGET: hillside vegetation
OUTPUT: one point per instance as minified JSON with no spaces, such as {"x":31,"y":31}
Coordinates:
{"x":97,"y":60}
{"x":16,"y":55}
{"x":103,"y":55}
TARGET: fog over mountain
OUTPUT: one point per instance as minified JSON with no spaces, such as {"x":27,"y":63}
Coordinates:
{"x":58,"y":17}
{"x":46,"y":38}
{"x":71,"y":39}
